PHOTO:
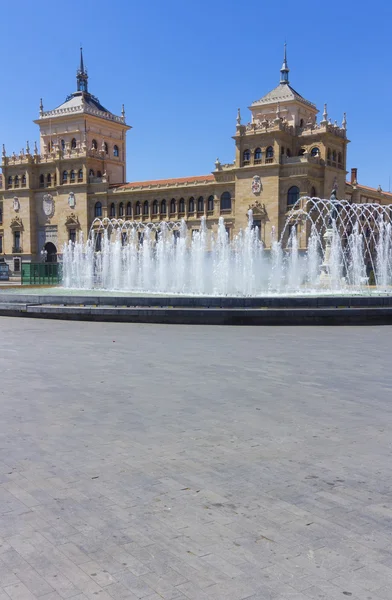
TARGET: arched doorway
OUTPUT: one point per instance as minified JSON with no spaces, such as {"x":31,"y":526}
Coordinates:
{"x":51,"y":252}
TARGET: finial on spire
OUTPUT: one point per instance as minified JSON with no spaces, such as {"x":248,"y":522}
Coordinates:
{"x":123,"y":112}
{"x":81,"y":60}
{"x":218,"y":165}
{"x":344,"y":122}
{"x":284,"y":71}
{"x":41,"y":108}
{"x":35,"y":148}
{"x":238,"y":117}
{"x":4,"y":154}
{"x":325,"y":116}
{"x":27,"y":147}
{"x":81,"y":75}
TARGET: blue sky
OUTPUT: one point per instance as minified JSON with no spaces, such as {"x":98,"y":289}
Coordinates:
{"x":182,"y":67}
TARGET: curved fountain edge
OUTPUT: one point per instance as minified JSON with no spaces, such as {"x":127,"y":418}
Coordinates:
{"x":283,"y":310}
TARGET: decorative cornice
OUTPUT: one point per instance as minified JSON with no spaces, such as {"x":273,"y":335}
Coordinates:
{"x":72,"y":221}
{"x":16,"y":223}
{"x":83,"y":108}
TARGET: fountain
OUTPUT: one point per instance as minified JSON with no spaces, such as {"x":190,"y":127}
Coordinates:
{"x":325,"y":246}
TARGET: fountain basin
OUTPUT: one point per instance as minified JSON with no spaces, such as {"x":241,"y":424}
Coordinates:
{"x":57,"y":303}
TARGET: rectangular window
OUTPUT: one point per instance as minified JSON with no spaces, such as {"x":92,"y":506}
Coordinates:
{"x":1,"y":244}
{"x":16,"y":241}
{"x":16,"y":265}
{"x":72,"y":235}
{"x":1,"y":214}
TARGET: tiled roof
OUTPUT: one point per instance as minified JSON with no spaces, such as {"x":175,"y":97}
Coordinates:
{"x":282,"y":93}
{"x":371,"y":189}
{"x":167,"y":182}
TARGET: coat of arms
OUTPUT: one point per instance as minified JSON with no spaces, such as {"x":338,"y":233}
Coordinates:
{"x":256,"y":185}
{"x":48,"y":205}
{"x":16,"y":204}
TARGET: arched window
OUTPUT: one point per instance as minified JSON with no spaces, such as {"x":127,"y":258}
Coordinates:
{"x":106,"y":148}
{"x":137,"y":208}
{"x":258,"y":155}
{"x":129,"y":209}
{"x":65,"y":176}
{"x":292,"y":195}
{"x":91,"y":173}
{"x":315,"y":151}
{"x":23,"y":180}
{"x":94,"y":145}
{"x":48,"y":179}
{"x":210,"y":203}
{"x":112,"y":212}
{"x":10,"y":181}
{"x":145,"y":208}
{"x":181,"y":206}
{"x":334,"y":156}
{"x":269,"y":154}
{"x":313,"y":193}
{"x":115,"y":151}
{"x":172,"y":206}
{"x":80,"y":175}
{"x":225,"y":201}
{"x":200,"y":204}
{"x":16,"y":181}
{"x":246,"y":157}
{"x":99,"y":174}
{"x":62,"y":145}
{"x":155,"y":207}
{"x":41,"y":181}
{"x":50,"y":146}
{"x":163,"y":207}
{"x":191,"y":205}
{"x":98,"y":209}
{"x":72,"y":176}
{"x":121,"y":209}
{"x":73,"y":143}
{"x":340,"y":158}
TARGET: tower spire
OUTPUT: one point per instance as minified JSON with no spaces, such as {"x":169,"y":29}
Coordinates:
{"x":284,"y":71}
{"x":81,"y":75}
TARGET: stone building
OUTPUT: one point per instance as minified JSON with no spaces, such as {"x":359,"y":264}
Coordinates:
{"x":78,"y":173}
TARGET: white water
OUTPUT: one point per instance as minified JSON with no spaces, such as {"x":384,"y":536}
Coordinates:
{"x":166,"y":258}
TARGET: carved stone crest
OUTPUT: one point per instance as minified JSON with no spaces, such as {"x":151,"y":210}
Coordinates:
{"x":48,"y":205}
{"x":16,"y":223}
{"x":16,"y":204}
{"x":256,"y":185}
{"x":259,"y":211}
{"x":71,"y":200}
{"x":72,"y":221}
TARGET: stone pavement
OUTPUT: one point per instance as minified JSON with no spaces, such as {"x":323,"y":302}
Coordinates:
{"x":199,"y":463}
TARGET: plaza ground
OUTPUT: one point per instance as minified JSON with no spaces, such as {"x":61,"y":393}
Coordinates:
{"x":200,"y":463}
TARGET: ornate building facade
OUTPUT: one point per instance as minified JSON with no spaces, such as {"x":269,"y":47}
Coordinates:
{"x":78,"y":173}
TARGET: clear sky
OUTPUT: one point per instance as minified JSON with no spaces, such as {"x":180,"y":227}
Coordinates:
{"x":183,"y":67}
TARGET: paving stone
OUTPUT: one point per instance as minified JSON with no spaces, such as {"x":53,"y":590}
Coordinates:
{"x":194,"y":462}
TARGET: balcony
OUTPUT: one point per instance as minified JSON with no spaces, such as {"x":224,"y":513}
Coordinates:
{"x":17,"y":250}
